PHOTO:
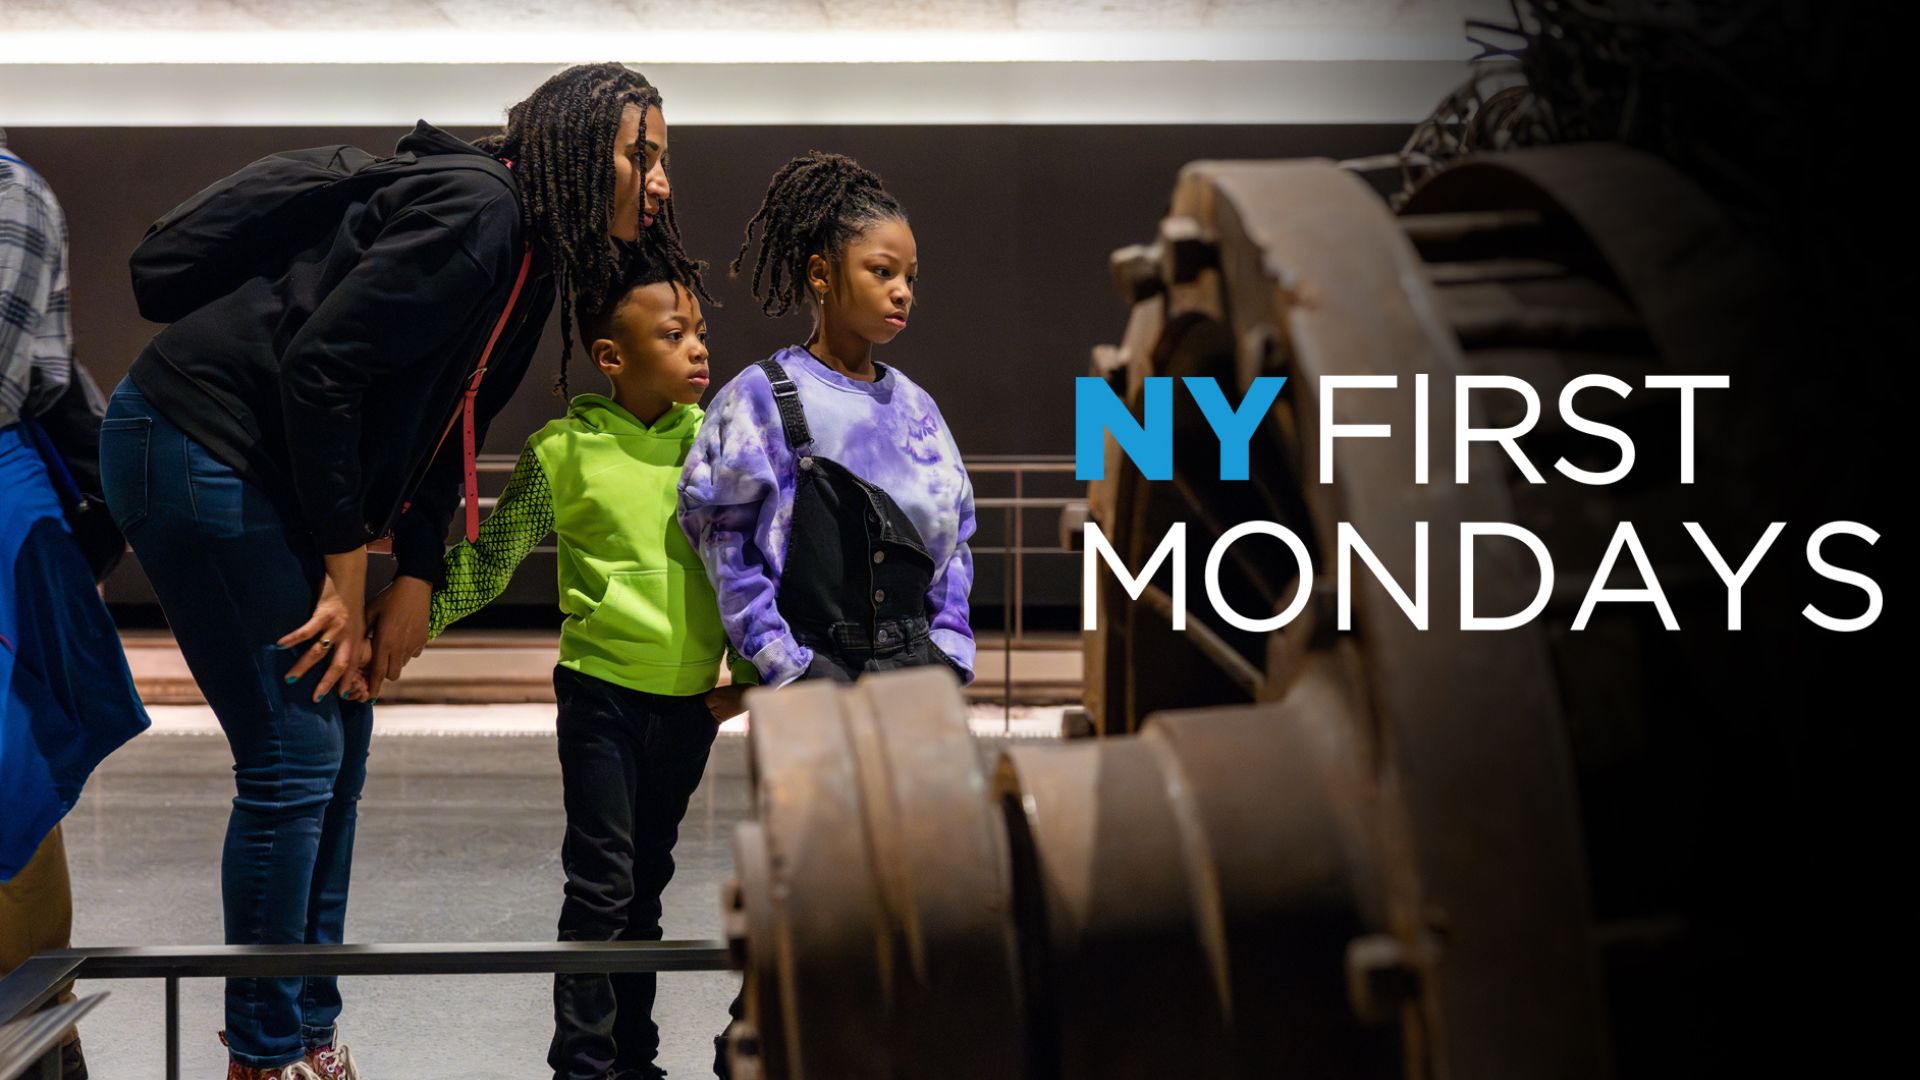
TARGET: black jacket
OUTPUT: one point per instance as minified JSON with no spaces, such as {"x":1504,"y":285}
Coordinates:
{"x":327,"y":381}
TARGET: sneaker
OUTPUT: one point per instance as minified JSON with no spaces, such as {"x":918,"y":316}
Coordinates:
{"x":298,"y":1070}
{"x":333,"y":1062}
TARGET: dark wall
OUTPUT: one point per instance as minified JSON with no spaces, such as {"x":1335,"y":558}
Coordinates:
{"x":1013,"y":224}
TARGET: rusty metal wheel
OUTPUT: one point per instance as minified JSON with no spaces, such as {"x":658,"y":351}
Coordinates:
{"x":872,"y":912}
{"x":1187,"y":895}
{"x":1305,"y":273}
{"x":1485,"y":759}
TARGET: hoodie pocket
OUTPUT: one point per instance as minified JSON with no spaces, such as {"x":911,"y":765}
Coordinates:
{"x":652,"y":616}
{"x":633,"y":612}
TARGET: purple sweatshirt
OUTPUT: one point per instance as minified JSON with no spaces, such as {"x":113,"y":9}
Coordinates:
{"x":736,"y":497}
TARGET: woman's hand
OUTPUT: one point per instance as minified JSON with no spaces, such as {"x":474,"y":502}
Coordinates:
{"x":338,"y":628}
{"x":398,"y":619}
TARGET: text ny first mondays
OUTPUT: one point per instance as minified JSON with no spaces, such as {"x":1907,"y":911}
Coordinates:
{"x":1148,"y":443}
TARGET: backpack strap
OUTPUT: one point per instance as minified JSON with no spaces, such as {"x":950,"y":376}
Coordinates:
{"x":786,"y":397}
{"x":464,"y":417}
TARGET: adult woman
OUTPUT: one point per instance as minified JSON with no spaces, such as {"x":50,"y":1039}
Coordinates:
{"x":263,"y":440}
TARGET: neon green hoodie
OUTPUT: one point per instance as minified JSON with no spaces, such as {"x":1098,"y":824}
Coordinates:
{"x":640,"y":610}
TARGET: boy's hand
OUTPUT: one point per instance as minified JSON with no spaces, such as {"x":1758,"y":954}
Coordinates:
{"x":397,"y":620}
{"x":727,"y":702}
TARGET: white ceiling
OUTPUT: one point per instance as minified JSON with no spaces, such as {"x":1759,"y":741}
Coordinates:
{"x":626,"y":16}
{"x":255,"y":62}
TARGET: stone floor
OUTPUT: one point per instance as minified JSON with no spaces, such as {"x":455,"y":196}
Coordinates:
{"x":459,"y":841}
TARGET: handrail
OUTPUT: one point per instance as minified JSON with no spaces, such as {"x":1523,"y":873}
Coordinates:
{"x":976,"y":463}
{"x":1013,"y":551}
{"x":36,"y":1038}
{"x":33,"y":983}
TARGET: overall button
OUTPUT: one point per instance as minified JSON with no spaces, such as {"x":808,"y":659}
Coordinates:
{"x":806,"y":463}
{"x":879,"y":556}
{"x":879,"y":595}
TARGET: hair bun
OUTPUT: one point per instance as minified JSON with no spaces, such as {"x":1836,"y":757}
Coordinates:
{"x":815,"y":203}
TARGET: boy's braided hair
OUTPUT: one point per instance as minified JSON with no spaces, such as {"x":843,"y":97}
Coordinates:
{"x":815,"y":205}
{"x":640,"y":268}
{"x":561,"y":142}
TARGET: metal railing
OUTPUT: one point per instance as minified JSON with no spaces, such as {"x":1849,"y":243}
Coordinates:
{"x":33,"y":1041}
{"x":34,"y":983}
{"x":1019,"y":467}
{"x":1013,"y":553}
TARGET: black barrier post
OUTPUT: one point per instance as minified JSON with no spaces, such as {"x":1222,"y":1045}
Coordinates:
{"x":173,"y":1028}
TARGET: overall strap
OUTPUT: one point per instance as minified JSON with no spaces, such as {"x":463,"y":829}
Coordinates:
{"x":793,"y":418}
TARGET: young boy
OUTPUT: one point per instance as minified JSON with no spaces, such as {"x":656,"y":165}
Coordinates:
{"x":640,"y":650}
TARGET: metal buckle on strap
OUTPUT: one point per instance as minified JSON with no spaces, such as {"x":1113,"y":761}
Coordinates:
{"x":789,"y":388}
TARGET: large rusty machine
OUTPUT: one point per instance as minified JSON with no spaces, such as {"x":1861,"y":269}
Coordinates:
{"x":1381,"y":852}
{"x":1329,"y":852}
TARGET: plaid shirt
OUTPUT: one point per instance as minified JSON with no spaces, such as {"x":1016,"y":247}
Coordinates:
{"x":36,"y":338}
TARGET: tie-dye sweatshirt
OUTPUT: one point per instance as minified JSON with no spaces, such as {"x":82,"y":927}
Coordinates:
{"x":736,"y":497}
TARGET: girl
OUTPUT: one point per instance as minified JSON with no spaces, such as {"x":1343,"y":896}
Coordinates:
{"x":825,"y":494}
{"x":263,"y":439}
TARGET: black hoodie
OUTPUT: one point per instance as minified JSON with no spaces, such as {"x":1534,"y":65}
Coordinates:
{"x":328,"y":381}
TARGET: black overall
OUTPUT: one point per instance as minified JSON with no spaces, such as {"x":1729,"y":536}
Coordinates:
{"x":854,"y":586}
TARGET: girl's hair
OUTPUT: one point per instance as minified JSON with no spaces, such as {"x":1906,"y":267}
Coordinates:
{"x":561,"y":142}
{"x":815,"y":205}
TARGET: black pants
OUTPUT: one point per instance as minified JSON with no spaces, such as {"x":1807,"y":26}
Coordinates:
{"x":629,"y":761}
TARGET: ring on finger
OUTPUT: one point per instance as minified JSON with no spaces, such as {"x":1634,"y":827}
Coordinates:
{"x":326,"y":643}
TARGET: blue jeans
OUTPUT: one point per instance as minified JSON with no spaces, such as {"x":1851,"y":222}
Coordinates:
{"x":233,"y":577}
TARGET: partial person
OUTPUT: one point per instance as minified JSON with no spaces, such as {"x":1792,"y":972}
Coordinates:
{"x":67,"y":698}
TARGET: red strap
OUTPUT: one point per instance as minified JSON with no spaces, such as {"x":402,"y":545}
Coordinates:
{"x":469,"y":456}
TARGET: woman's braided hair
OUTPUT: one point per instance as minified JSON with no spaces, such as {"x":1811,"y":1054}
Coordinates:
{"x":815,"y":205}
{"x":561,"y":142}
